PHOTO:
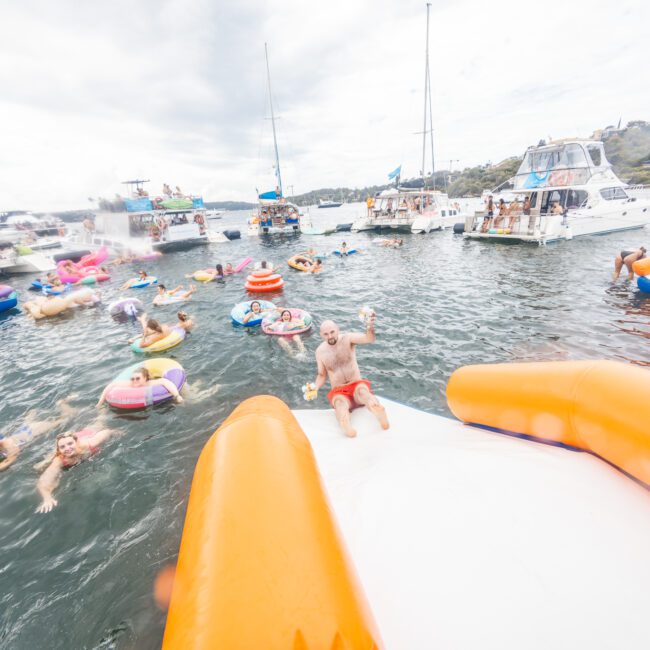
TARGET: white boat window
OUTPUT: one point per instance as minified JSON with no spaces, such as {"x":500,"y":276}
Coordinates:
{"x":444,"y":213}
{"x":613,"y":193}
{"x":576,"y":198}
{"x":595,"y":154}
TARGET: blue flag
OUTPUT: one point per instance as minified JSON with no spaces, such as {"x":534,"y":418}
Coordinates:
{"x":395,"y":172}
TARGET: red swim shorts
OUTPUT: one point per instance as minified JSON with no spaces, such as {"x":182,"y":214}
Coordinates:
{"x":347,"y":390}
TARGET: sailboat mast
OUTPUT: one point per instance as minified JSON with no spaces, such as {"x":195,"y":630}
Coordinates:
{"x":275,"y":138}
{"x":426,"y":88}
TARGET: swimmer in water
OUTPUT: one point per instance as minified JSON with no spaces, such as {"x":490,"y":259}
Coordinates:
{"x":344,"y":249}
{"x":11,"y":444}
{"x":318,"y":266}
{"x":140,"y":378}
{"x":152,"y":331}
{"x":337,"y":359}
{"x":627,"y":258}
{"x":142,"y":277}
{"x":71,"y":449}
{"x":287,"y":324}
{"x":229,"y":270}
{"x":163,"y":296}
{"x":255,"y":312}
{"x":184,"y":321}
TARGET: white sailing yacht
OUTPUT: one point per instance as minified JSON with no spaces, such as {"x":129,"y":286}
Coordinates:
{"x":274,"y":214}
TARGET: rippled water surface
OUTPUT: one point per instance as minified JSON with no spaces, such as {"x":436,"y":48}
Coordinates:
{"x":82,"y":576}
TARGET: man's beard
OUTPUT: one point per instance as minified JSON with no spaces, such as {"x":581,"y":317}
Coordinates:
{"x":332,"y":341}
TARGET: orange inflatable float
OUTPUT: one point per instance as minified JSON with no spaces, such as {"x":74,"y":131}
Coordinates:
{"x":264,"y":280}
{"x":596,"y":406}
{"x":642,"y":267}
{"x":262,"y":565}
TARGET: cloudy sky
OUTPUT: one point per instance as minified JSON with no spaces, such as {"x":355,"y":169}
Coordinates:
{"x":94,"y":93}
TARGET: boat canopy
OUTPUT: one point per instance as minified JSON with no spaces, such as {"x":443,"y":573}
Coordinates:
{"x":561,"y":164}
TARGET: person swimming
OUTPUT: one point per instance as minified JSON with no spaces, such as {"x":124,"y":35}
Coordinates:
{"x":287,"y":324}
{"x":140,"y":378}
{"x":142,"y":277}
{"x":152,"y":331}
{"x":12,"y":444}
{"x":71,"y":449}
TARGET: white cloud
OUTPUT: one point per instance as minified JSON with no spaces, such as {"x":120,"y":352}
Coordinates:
{"x":175,"y":91}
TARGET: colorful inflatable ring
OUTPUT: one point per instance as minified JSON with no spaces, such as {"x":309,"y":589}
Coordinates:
{"x":642,"y":267}
{"x":9,"y":302}
{"x":271,"y":324}
{"x":643,"y":282}
{"x":145,"y":283}
{"x":65,"y":276}
{"x":94,"y":259}
{"x":176,"y":336}
{"x":126,"y":397}
{"x":124,"y":305}
{"x":204,"y":276}
{"x":5,"y":290}
{"x":263,"y":281}
{"x":301,"y":262}
{"x":241,"y":309}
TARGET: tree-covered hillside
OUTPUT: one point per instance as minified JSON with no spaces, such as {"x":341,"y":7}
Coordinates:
{"x":627,"y":149}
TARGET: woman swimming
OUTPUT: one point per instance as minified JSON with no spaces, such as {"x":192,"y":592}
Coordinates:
{"x":71,"y":449}
{"x":140,"y":378}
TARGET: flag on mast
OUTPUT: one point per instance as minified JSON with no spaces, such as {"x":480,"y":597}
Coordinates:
{"x":395,"y":172}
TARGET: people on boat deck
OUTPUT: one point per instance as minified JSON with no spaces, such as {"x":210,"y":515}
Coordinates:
{"x":164,"y":295}
{"x":370,"y":204}
{"x":71,"y":449}
{"x":337,"y":360}
{"x":487,"y":219}
{"x":167,"y":191}
{"x":503,"y":213}
{"x":557,"y":208}
{"x":142,"y":277}
{"x":178,"y":193}
{"x":514,"y":209}
{"x":12,"y":443}
{"x":627,"y":258}
{"x":140,"y":378}
{"x":152,"y":331}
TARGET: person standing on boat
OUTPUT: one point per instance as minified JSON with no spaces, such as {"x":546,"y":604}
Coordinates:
{"x":337,"y":360}
{"x":370,"y":204}
{"x":628,"y":258}
{"x":487,"y":219}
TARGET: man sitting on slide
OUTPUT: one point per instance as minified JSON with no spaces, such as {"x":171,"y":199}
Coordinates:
{"x":336,"y":358}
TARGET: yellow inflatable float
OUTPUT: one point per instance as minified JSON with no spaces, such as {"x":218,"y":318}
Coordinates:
{"x":596,"y":406}
{"x":262,"y":564}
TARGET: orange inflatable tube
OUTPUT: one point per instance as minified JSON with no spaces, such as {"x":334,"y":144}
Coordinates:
{"x":596,"y":406}
{"x":262,"y":565}
{"x":642,"y":267}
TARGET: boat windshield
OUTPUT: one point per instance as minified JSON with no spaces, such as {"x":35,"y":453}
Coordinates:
{"x":553,"y":167}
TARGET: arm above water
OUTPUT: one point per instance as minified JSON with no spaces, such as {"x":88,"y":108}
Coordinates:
{"x":356,"y":338}
{"x":46,"y":485}
{"x":170,"y":387}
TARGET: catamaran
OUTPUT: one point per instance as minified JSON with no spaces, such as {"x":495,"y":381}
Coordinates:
{"x":417,"y":210}
{"x":274,"y":214}
{"x":573,"y":191}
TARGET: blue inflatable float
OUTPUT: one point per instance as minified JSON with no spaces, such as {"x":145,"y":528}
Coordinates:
{"x":643,"y":282}
{"x":240,"y":310}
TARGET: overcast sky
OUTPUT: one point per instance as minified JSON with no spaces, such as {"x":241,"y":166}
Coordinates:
{"x":94,"y":93}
